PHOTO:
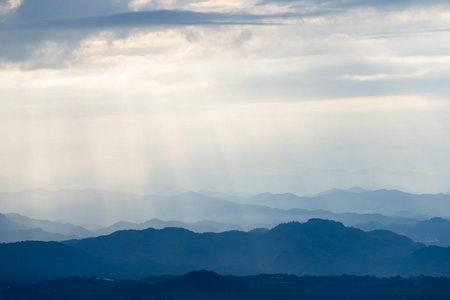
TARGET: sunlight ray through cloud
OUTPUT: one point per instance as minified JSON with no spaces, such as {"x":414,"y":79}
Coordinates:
{"x":174,"y":90}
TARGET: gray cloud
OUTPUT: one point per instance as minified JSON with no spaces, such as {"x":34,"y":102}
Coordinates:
{"x":325,"y":7}
{"x":152,"y":18}
{"x":406,"y":33}
{"x":23,"y":36}
{"x":35,"y":10}
{"x":387,"y":3}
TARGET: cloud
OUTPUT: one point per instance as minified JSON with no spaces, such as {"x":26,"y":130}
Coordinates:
{"x":406,"y":33}
{"x":326,"y":7}
{"x":38,"y":10}
{"x":154,"y":18}
{"x":389,"y":4}
{"x":24,"y":37}
{"x":158,"y":4}
{"x":310,"y":56}
{"x":139,"y":4}
{"x":87,"y":85}
{"x":7,"y":6}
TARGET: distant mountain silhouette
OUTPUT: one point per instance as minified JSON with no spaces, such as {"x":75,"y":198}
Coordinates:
{"x":265,"y":210}
{"x":6,"y":224}
{"x":200,"y":226}
{"x":15,"y":228}
{"x":98,"y":207}
{"x":11,"y":231}
{"x":387,"y":202}
{"x":351,"y":190}
{"x":222,"y":196}
{"x":34,"y":234}
{"x":312,"y":181}
{"x":435,"y":231}
{"x":49,"y":226}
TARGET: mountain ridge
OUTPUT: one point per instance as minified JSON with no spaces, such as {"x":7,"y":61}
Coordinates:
{"x":315,"y":247}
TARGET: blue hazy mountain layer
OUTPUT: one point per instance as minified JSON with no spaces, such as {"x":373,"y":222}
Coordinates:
{"x":435,"y":231}
{"x":318,"y":247}
{"x":88,"y":207}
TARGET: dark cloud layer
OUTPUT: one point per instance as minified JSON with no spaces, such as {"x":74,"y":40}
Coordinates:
{"x":38,"y":10}
{"x":152,"y":18}
{"x":68,"y":22}
{"x":22,"y":38}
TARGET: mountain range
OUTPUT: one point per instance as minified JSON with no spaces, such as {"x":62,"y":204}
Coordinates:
{"x":105,"y":208}
{"x":16,"y":228}
{"x":386,"y":202}
{"x":194,"y":211}
{"x":200,"y":226}
{"x":434,"y":231}
{"x":317,"y":247}
{"x":313,"y":181}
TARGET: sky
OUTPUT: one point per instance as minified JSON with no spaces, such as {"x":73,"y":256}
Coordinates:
{"x":203,"y":93}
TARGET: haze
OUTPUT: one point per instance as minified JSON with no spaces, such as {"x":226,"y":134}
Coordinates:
{"x":224,"y":95}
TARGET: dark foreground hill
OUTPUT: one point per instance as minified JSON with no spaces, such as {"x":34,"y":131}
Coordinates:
{"x":209,"y":285}
{"x":317,"y":247}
